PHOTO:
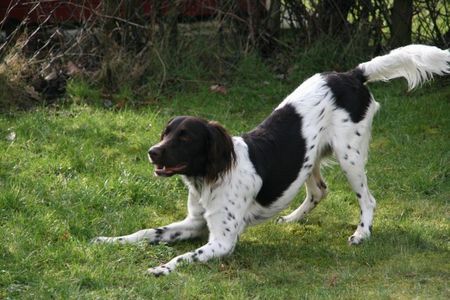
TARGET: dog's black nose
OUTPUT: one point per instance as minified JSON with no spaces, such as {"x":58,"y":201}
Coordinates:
{"x":155,"y":153}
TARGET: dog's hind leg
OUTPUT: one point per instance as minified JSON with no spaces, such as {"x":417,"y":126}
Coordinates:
{"x":316,"y":190}
{"x":352,"y":163}
{"x":351,"y":150}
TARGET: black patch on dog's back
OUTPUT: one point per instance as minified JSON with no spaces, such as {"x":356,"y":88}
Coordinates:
{"x":349,"y":92}
{"x":277,"y":150}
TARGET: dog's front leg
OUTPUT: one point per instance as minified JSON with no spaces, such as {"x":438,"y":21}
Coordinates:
{"x":193,"y":226}
{"x":186,"y":229}
{"x":224,"y":231}
{"x":214,"y":249}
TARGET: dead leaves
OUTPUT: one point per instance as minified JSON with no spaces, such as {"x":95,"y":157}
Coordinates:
{"x":218,"y":88}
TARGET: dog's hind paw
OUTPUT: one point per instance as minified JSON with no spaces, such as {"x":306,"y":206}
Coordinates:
{"x":288,"y":219}
{"x":358,"y":237}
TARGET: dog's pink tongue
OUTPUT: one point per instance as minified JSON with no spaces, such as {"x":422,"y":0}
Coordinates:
{"x":165,"y":171}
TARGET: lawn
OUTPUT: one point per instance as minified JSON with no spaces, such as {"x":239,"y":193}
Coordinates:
{"x":78,"y":171}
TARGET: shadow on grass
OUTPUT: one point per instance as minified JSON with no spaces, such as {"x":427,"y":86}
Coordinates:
{"x":289,"y":251}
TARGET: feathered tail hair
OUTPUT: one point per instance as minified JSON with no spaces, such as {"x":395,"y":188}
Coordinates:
{"x":416,"y":63}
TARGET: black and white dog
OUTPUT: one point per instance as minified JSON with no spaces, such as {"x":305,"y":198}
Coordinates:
{"x":235,"y":182}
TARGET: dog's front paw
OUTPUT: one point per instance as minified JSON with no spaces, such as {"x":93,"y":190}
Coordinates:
{"x":159,"y":271}
{"x":281,"y":220}
{"x":102,"y":240}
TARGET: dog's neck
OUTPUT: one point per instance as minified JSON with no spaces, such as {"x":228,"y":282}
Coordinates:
{"x":195,"y":183}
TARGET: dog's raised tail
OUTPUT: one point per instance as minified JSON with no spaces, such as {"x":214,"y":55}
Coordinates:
{"x":416,"y":63}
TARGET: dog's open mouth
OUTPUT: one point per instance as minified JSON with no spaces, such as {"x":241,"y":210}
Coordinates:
{"x":161,"y":170}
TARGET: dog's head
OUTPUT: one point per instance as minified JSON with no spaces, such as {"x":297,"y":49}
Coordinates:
{"x":193,"y":147}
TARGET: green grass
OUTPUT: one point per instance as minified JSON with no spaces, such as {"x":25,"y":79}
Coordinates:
{"x":80,"y":171}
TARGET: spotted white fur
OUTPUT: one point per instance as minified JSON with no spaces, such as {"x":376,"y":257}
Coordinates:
{"x":223,"y":209}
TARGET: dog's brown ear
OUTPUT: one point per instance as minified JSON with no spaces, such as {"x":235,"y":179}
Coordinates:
{"x":221,"y":155}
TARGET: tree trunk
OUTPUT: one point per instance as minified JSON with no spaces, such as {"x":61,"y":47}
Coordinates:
{"x":332,"y":16}
{"x":172,"y":25}
{"x":254,"y":21}
{"x":274,"y":19}
{"x":272,"y":34}
{"x":401,"y":22}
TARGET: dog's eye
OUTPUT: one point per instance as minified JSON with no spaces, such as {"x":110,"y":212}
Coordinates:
{"x":184,"y":136}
